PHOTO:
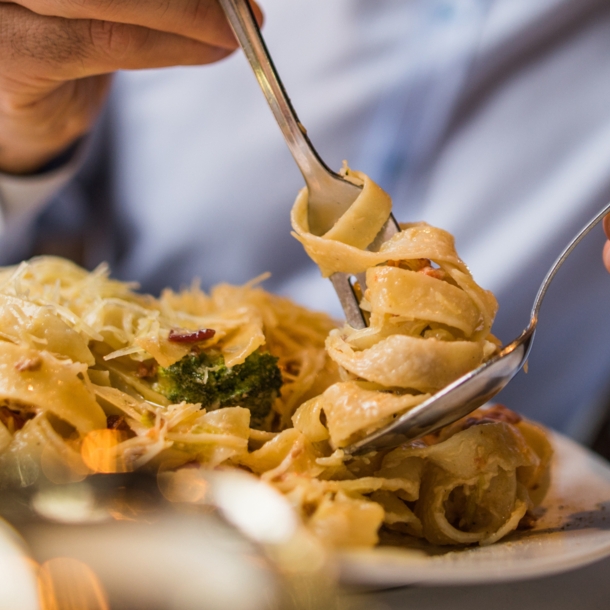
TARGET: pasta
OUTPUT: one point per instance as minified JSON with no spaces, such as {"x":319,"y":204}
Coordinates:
{"x":429,"y":322}
{"x":85,"y":363}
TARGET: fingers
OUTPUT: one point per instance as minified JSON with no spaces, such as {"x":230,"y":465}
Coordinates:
{"x":52,"y":53}
{"x":55,"y":49}
{"x":202,"y":20}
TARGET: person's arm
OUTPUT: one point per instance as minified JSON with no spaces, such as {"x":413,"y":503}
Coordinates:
{"x":23,"y":195}
{"x":57,"y":56}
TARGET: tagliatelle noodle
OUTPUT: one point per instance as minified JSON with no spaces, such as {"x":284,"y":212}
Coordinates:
{"x":428,"y":325}
{"x":401,"y":361}
{"x":72,"y":345}
{"x":355,"y":408}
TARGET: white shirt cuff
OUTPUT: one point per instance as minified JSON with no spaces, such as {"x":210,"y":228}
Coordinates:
{"x":22,"y":196}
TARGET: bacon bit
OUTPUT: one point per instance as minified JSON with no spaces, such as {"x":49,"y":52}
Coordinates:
{"x":420,"y":263}
{"x":501,"y":413}
{"x":147,"y":370}
{"x":413,"y":264}
{"x":28,"y":364}
{"x":195,"y":336}
{"x":473,"y":421}
{"x":14,"y":420}
{"x":431,"y":439}
{"x":398,"y":265}
{"x":291,"y":368}
{"x":437,"y":274}
{"x":117,"y":422}
{"x":492,"y":415}
{"x":528,"y":521}
{"x":480,"y":459}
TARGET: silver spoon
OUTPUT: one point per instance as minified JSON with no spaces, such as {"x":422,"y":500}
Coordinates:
{"x":474,"y":389}
{"x":330,"y":195}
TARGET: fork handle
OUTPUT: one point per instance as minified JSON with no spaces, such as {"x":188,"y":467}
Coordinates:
{"x":244,"y":26}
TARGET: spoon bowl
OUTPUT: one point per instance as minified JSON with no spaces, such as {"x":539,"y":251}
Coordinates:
{"x":474,"y":389}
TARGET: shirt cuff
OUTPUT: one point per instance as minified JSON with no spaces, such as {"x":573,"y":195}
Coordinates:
{"x":22,"y":196}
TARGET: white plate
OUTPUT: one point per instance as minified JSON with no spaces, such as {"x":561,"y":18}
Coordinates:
{"x":573,"y":532}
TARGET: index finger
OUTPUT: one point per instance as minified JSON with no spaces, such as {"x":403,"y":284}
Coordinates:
{"x":201,"y":20}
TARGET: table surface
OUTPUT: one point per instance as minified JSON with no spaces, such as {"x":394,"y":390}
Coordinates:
{"x":586,"y":588}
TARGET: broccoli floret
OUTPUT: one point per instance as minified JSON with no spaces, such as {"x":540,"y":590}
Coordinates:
{"x":204,"y":378}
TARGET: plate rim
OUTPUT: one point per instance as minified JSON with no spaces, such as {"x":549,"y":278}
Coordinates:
{"x":379,"y":567}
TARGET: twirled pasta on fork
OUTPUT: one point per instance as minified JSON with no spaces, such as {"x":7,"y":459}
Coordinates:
{"x":429,"y":322}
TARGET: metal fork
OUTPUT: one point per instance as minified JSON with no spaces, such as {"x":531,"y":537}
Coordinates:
{"x":330,"y":195}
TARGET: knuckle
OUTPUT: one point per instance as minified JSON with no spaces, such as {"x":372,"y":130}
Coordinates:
{"x":40,"y":57}
{"x":208,"y":21}
{"x":117,"y":40}
{"x":10,"y":105}
{"x":78,"y":9}
{"x":199,"y":10}
{"x":34,"y":40}
{"x":210,"y":24}
{"x":13,"y":31}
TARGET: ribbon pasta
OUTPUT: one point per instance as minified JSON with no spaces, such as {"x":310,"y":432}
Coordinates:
{"x":429,"y":322}
{"x":79,"y":354}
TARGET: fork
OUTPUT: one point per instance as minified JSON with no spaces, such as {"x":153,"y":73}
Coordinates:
{"x":330,"y":195}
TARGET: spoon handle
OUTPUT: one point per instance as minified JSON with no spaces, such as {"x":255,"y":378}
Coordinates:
{"x":561,"y":259}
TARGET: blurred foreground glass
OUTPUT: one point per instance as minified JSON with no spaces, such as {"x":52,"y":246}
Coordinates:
{"x":188,"y":540}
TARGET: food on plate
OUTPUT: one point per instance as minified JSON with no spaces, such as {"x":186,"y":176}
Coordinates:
{"x":97,"y":378}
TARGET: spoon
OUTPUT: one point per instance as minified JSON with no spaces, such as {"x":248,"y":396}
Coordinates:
{"x":474,"y":389}
{"x":330,"y":195}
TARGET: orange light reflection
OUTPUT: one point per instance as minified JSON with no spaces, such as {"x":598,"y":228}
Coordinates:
{"x":68,"y":584}
{"x":101,"y":451}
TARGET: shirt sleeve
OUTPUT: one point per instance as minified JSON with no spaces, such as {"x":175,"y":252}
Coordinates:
{"x":23,"y":196}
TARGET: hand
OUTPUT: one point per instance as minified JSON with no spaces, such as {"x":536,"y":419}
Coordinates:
{"x":58,"y":56}
{"x":606,"y":253}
